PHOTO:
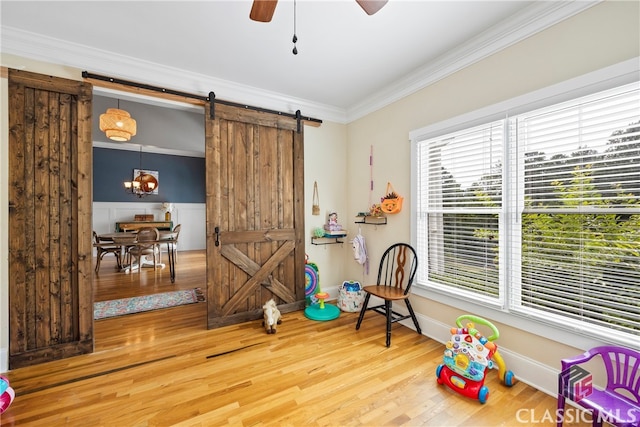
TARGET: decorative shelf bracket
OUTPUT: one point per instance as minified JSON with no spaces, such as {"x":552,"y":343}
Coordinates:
{"x":326,"y":240}
{"x":372,"y":220}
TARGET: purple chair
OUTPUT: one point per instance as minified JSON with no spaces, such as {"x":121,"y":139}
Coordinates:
{"x":619,"y":403}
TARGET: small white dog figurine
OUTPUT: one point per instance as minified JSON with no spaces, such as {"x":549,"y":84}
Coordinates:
{"x":271,"y":316}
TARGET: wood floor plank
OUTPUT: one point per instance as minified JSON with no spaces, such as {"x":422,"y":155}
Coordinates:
{"x":164,"y":368}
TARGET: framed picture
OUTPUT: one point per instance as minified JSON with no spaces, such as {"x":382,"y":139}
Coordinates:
{"x":149,"y":180}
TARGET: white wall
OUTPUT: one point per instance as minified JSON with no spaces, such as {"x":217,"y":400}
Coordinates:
{"x":4,"y":226}
{"x":191,"y":215}
{"x":325,"y":161}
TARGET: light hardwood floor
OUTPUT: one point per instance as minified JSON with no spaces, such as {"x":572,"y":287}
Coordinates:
{"x":164,"y":368}
{"x":109,"y":283}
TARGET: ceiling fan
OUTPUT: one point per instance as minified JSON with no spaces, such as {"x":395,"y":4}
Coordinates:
{"x":262,"y":10}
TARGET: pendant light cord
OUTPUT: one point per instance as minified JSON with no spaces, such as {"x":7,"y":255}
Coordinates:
{"x":295,"y":38}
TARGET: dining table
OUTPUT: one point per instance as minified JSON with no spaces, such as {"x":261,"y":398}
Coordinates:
{"x":127,"y":239}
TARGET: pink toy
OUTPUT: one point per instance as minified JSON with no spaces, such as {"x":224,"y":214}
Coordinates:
{"x":6,"y":394}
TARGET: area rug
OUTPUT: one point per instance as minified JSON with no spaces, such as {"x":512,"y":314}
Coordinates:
{"x":120,"y":307}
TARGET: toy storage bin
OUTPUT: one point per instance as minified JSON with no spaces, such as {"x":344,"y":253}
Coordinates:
{"x":350,"y":296}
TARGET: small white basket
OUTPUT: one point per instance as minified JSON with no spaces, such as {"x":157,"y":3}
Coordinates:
{"x":350,"y":296}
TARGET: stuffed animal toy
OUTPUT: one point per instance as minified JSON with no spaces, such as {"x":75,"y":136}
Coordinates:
{"x":272,"y":316}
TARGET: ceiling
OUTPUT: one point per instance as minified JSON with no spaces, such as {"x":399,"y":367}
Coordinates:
{"x":348,"y":63}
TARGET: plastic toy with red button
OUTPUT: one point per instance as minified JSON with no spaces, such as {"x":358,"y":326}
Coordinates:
{"x":468,"y":356}
{"x":6,"y":394}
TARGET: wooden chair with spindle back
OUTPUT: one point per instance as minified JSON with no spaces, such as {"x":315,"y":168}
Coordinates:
{"x":103,"y":249}
{"x":396,"y":273}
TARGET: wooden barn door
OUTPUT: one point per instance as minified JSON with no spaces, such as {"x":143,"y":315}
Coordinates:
{"x":50,"y":294}
{"x":255,"y":214}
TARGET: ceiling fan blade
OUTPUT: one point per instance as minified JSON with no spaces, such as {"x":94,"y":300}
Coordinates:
{"x":371,"y":6}
{"x":262,"y":10}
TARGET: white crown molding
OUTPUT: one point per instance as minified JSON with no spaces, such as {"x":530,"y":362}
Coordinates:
{"x":51,"y":50}
{"x":146,"y":149}
{"x":534,"y":19}
{"x":538,"y":17}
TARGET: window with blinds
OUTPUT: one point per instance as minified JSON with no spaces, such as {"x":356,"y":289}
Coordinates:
{"x":580,"y":225}
{"x":461,"y":203}
{"x":561,"y":186}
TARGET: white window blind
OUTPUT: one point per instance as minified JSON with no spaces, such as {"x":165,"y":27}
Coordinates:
{"x":460,"y":206}
{"x":580,"y":253}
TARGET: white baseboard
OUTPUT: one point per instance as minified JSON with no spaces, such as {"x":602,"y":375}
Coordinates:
{"x":4,"y":359}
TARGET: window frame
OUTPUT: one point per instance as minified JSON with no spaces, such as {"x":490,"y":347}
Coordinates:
{"x":551,"y":327}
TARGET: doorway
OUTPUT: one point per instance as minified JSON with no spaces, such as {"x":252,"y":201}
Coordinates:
{"x":254,"y":212}
{"x":170,"y":140}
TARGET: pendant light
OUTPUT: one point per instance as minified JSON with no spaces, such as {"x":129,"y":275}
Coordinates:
{"x":117,"y":124}
{"x":142,"y":185}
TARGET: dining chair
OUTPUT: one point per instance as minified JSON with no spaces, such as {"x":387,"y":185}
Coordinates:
{"x":103,"y":250}
{"x":173,"y":246}
{"x":146,"y":243}
{"x":396,"y":273}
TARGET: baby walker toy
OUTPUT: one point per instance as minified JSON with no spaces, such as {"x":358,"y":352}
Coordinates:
{"x":468,"y":355}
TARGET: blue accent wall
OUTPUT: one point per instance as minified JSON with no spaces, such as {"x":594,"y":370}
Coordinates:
{"x":180,"y":179}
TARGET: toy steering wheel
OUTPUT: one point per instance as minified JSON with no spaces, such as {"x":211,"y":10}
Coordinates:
{"x":479,"y":321}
